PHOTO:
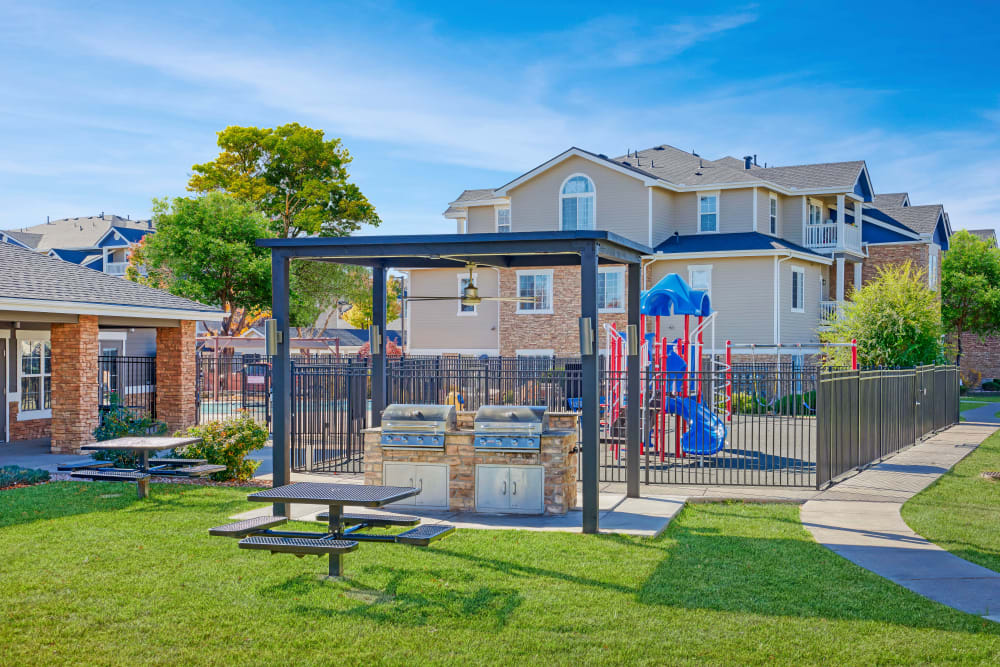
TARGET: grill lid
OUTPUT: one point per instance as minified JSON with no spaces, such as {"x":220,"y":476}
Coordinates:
{"x":403,"y":416}
{"x":513,"y":417}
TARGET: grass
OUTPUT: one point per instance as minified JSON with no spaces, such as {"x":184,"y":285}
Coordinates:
{"x":92,"y":575}
{"x":959,"y":511}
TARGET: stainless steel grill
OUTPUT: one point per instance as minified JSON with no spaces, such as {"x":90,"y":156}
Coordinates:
{"x":510,"y":426}
{"x":416,"y":425}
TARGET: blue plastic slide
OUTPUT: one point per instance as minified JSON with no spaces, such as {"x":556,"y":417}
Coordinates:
{"x":706,"y":433}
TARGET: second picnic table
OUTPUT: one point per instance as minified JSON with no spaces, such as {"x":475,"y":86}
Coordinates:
{"x":144,"y":446}
{"x":344,"y":527}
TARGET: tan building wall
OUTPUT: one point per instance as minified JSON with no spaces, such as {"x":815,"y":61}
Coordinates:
{"x":736,"y":211}
{"x":622,"y":203}
{"x":436,"y":325}
{"x":481,"y":220}
{"x":800,"y":327}
{"x":792,"y":218}
{"x":663,"y":220}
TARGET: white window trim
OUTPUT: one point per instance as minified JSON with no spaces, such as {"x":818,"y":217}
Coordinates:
{"x":802,"y":290}
{"x":475,"y":279}
{"x":615,"y":269}
{"x":560,"y":196}
{"x":20,"y":335}
{"x":700,"y":267}
{"x":932,"y":265}
{"x":517,"y":290}
{"x":496,"y":219}
{"x":777,"y":215}
{"x":718,"y":211}
{"x":818,"y":204}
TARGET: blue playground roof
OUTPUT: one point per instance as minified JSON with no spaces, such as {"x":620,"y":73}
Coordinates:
{"x":673,"y":296}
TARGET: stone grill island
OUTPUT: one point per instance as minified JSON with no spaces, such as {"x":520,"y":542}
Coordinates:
{"x":530,"y":468}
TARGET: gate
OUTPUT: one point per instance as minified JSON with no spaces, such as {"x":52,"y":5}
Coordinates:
{"x":330,"y":410}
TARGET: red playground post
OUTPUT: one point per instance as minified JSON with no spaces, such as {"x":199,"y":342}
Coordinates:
{"x":854,"y":354}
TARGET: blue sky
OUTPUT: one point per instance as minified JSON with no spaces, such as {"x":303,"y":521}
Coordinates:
{"x":105,"y":106}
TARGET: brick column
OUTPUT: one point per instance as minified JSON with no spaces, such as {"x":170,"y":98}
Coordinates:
{"x":74,"y":384}
{"x":175,"y":375}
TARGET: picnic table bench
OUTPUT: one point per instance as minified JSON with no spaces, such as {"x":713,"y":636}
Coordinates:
{"x":144,"y":446}
{"x":344,"y":532}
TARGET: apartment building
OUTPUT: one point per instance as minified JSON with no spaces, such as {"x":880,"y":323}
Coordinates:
{"x":777,"y":248}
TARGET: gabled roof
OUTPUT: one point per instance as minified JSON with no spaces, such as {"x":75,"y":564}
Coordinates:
{"x":73,"y":256}
{"x":19,"y":239}
{"x":129,"y":235}
{"x":686,"y":169}
{"x":78,"y":233}
{"x":738,"y":242}
{"x":808,"y":176}
{"x":36,"y":282}
{"x":921,"y":219}
{"x":988,"y":235}
{"x":467,"y":197}
{"x":892,"y":199}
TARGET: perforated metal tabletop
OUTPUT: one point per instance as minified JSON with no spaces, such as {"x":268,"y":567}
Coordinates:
{"x":316,"y":493}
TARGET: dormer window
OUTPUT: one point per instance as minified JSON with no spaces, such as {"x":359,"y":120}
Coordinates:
{"x":576,"y":203}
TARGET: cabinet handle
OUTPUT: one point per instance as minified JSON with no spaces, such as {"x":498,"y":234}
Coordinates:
{"x":421,"y":483}
{"x":514,"y":485}
{"x":504,"y":493}
{"x":411,"y":481}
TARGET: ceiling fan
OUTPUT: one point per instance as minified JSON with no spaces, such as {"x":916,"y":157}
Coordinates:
{"x":470,"y":294}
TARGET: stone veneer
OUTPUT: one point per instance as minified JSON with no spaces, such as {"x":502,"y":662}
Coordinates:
{"x":176,"y":374}
{"x":29,"y":429}
{"x":74,"y":384}
{"x":557,"y":456}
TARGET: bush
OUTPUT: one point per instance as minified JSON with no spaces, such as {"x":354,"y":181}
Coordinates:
{"x":13,"y":475}
{"x":796,"y":404}
{"x":991,"y":385}
{"x":227,"y":443}
{"x":743,"y":403}
{"x":118,"y":421}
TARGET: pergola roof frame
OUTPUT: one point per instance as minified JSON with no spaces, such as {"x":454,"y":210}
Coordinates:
{"x":585,"y":248}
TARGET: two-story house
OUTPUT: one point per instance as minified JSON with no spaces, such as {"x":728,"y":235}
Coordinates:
{"x":777,"y":248}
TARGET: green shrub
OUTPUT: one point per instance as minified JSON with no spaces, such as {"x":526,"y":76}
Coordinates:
{"x":11,"y":475}
{"x":118,"y":421}
{"x":796,"y":404}
{"x":227,"y":443}
{"x":743,"y":403}
{"x":991,"y":385}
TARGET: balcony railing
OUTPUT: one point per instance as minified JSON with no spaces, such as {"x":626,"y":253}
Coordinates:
{"x":828,"y":311}
{"x":115,"y":268}
{"x":833,"y":236}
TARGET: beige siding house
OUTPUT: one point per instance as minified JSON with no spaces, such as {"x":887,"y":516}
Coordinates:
{"x":778,"y":248}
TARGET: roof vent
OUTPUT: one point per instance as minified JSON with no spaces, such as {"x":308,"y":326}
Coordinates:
{"x":694,"y":154}
{"x":748,"y":161}
{"x":658,"y":148}
{"x":602,"y":155}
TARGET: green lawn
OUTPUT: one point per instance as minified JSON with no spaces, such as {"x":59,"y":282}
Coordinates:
{"x":91,"y":575}
{"x":961,"y":511}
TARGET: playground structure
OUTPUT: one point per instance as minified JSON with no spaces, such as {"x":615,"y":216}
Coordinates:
{"x":698,"y":398}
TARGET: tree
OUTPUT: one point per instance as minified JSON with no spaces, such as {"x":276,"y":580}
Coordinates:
{"x":299,"y":179}
{"x":970,"y":288}
{"x":896,"y":319}
{"x":205,"y":249}
{"x":356,"y":289}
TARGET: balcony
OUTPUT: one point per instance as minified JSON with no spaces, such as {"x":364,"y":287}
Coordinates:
{"x":115,"y":268}
{"x":833,"y":236}
{"x":828,"y":311}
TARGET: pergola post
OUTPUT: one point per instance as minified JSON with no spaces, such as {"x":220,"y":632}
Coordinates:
{"x":281,"y":377}
{"x":378,"y":351}
{"x":633,"y":381}
{"x":590,"y":361}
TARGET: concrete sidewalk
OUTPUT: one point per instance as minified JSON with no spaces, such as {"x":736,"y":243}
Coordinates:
{"x":860,"y":520}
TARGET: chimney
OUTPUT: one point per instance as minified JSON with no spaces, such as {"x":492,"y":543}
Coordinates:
{"x":748,"y":161}
{"x":47,"y":221}
{"x":755,"y":160}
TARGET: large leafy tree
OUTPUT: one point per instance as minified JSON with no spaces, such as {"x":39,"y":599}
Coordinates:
{"x":357,"y":291}
{"x":896,"y":319}
{"x":970,"y":288}
{"x":299,"y":179}
{"x":204,"y":249}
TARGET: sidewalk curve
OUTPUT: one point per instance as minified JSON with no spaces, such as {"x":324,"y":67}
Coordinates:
{"x":859,"y":519}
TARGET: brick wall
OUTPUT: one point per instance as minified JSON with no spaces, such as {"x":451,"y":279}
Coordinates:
{"x":175,"y":375}
{"x":980,"y":358}
{"x":74,"y":384}
{"x":880,"y":255}
{"x":30,"y":429}
{"x":559,"y":331}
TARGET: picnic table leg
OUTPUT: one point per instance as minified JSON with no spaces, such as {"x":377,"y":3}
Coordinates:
{"x":142,"y":486}
{"x":337,"y":530}
{"x":144,"y":461}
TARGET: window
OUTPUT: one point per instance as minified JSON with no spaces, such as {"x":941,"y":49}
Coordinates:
{"x":611,"y":290}
{"x":815,"y":214}
{"x":537,"y":286}
{"x":798,"y":290}
{"x":708,"y":212}
{"x":932,"y":267}
{"x":700,"y":278}
{"x":463,"y":282}
{"x":35,"y":377}
{"x":576,"y":203}
{"x":503,"y":220}
{"x":773,"y":215}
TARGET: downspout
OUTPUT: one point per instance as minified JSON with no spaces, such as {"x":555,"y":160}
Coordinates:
{"x":777,"y":296}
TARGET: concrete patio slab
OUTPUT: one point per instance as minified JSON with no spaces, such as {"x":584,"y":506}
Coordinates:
{"x":34,"y":454}
{"x":860,"y":520}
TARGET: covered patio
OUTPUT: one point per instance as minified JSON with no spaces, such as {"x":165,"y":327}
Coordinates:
{"x":586,"y":249}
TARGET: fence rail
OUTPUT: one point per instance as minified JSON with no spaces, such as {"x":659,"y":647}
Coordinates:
{"x":131,"y":379}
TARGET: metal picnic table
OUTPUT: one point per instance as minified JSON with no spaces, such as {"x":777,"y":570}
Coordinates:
{"x":344,"y":528}
{"x":144,"y":446}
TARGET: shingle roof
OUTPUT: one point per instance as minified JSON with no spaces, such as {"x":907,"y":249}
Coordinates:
{"x":821,"y":175}
{"x":683,"y":168}
{"x":31,"y":276}
{"x":131,"y":234}
{"x":988,"y":235}
{"x":890,"y":199}
{"x":469,"y":196}
{"x":74,"y":256}
{"x":921,"y":219}
{"x":78,"y":232}
{"x":726,"y":242}
{"x":28,"y":239}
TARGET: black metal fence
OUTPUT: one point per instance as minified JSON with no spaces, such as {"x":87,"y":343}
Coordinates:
{"x":865,"y":416}
{"x":131,"y":379}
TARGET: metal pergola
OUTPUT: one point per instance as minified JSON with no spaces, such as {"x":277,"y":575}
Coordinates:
{"x":587,"y":249}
